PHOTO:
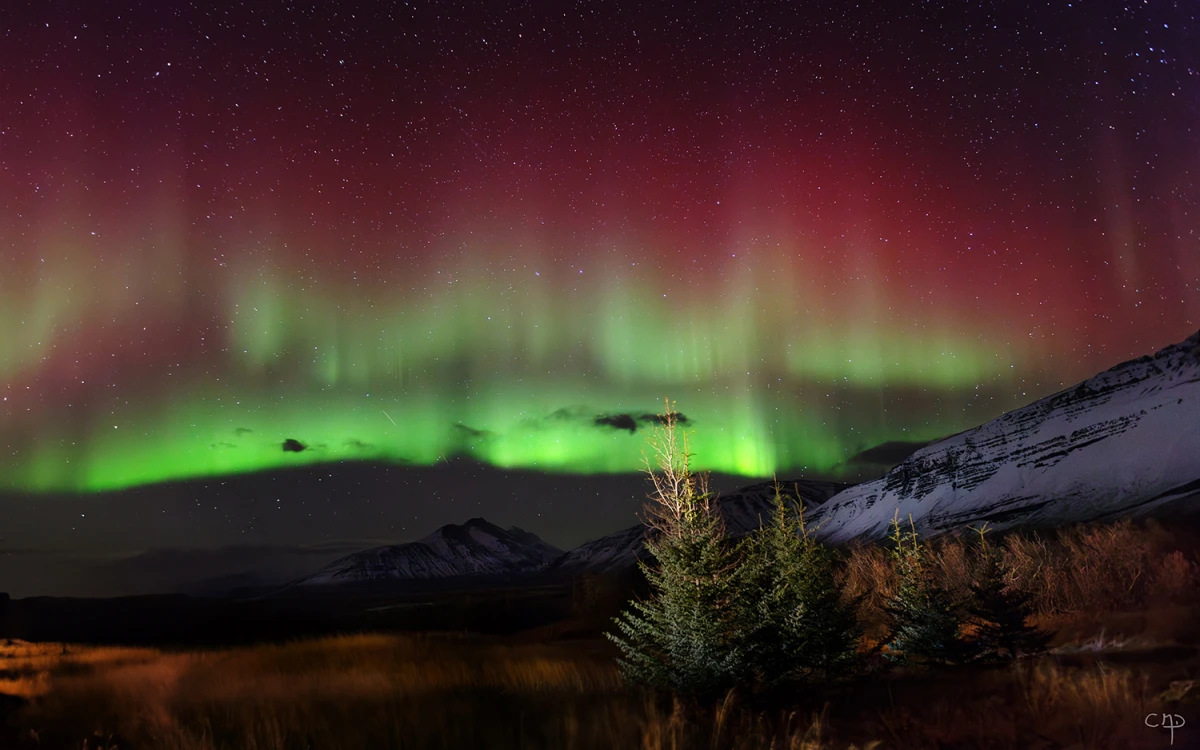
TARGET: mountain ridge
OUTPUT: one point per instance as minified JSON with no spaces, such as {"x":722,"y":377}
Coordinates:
{"x":1124,"y":441}
{"x":474,"y":548}
{"x":741,"y":510}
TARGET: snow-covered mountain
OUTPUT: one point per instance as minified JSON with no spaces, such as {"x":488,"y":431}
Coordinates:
{"x":742,"y":511}
{"x":1124,"y":442}
{"x":475,"y":548}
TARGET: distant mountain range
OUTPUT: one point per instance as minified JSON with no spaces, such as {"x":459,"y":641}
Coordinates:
{"x":473,"y":549}
{"x":1124,"y":442}
{"x":742,"y":511}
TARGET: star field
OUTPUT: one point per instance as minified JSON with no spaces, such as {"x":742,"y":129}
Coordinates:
{"x":265,"y":235}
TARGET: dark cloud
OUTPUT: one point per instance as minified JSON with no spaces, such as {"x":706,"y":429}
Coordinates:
{"x":291,"y":445}
{"x":617,"y":421}
{"x":468,"y":432}
{"x":223,"y":444}
{"x":889,"y":453}
{"x":242,"y":431}
{"x":359,"y":445}
{"x":648,"y":418}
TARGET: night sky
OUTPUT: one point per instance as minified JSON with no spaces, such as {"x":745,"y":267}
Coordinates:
{"x":449,"y":259}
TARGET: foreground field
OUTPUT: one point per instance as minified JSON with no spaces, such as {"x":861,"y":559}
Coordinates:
{"x":1122,"y":600}
{"x":383,"y":691}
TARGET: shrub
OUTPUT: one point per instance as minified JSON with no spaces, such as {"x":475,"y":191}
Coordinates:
{"x":954,"y":564}
{"x":1093,"y":568}
{"x":1176,"y":580}
{"x":867,"y":579}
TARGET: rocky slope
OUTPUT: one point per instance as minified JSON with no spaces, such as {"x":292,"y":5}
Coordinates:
{"x":1126,"y":441}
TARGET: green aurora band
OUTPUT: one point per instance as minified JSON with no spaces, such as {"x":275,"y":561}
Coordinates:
{"x":507,"y":364}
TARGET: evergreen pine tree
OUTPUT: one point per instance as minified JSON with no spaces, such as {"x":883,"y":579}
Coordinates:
{"x":1001,"y":612}
{"x":685,"y":635}
{"x":797,"y":626}
{"x":926,"y":623}
{"x":770,"y":572}
{"x":829,"y":627}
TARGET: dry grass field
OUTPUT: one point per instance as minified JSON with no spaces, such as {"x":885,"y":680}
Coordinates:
{"x":1123,"y":601}
{"x":385,"y":691}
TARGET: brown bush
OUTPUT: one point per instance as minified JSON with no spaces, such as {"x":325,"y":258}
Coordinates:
{"x":1108,"y":565}
{"x":1176,"y":580}
{"x":866,"y":578}
{"x":1031,"y":566}
{"x":954,"y":564}
{"x":1097,"y":568}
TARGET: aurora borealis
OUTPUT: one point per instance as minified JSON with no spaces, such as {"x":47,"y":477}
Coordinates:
{"x":260,"y":235}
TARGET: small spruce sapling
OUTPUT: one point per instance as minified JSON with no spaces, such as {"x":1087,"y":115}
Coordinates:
{"x":797,"y":626}
{"x":926,"y":623}
{"x":1001,"y":612}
